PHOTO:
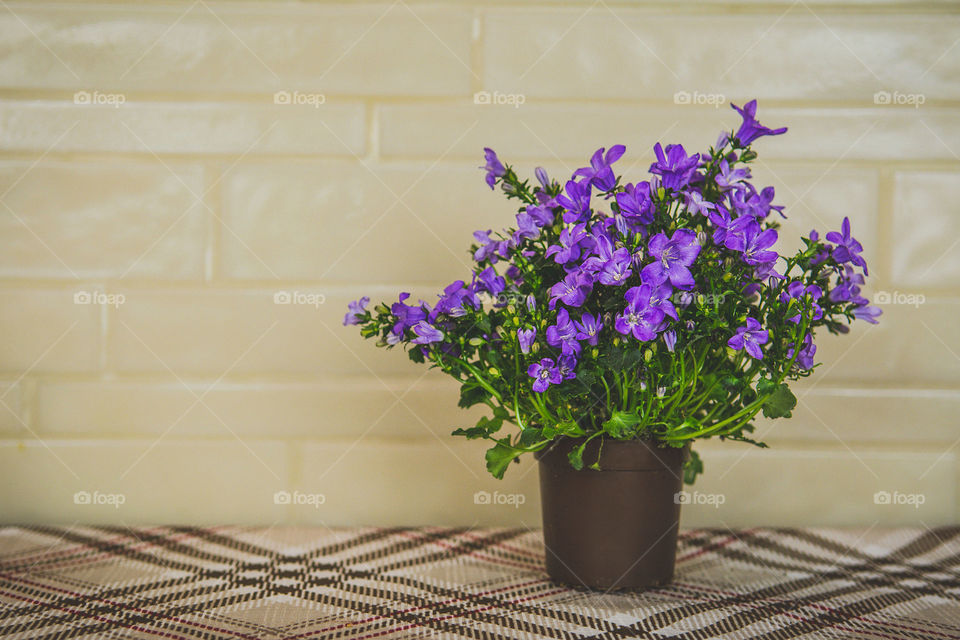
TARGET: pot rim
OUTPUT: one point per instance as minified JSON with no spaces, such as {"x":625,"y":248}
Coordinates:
{"x":640,"y":454}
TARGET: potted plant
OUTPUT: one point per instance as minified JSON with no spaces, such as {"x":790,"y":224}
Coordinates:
{"x":618,"y":323}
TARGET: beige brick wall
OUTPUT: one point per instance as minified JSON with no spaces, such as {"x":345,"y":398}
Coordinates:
{"x":181,"y":212}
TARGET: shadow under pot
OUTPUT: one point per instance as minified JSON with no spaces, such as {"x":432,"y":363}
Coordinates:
{"x":616,"y":527}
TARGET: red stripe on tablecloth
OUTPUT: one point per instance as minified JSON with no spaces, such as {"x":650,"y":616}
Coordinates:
{"x":821,"y":607}
{"x":442,"y":603}
{"x":81,"y":548}
{"x":716,"y":545}
{"x":787,"y":614}
{"x":121,"y":605}
{"x":475,"y":554}
{"x":417,"y":624}
{"x":165,"y":634}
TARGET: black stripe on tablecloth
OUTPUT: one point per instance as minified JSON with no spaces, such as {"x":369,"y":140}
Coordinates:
{"x":132,"y":618}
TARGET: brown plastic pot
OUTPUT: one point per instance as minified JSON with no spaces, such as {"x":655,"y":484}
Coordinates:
{"x":613,"y":528}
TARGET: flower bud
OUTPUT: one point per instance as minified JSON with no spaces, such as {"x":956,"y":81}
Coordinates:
{"x":493,"y":371}
{"x":476,"y":342}
{"x":531,"y":303}
{"x":535,"y":347}
{"x":647,"y":355}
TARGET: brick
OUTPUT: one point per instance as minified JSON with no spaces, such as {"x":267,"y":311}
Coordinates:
{"x":52,"y":332}
{"x":797,"y":54}
{"x":347,"y":222}
{"x":70,"y":220}
{"x":334,"y":407}
{"x":167,"y":481}
{"x":246,"y":332}
{"x":818,"y":487}
{"x":926,"y":227}
{"x":334,"y":128}
{"x":240,"y":48}
{"x":531,"y":132}
{"x":414,"y":483}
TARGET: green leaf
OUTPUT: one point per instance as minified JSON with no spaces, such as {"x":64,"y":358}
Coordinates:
{"x":500,"y":456}
{"x":569,"y":428}
{"x":472,"y":433}
{"x":781,"y":403}
{"x":415,"y":355}
{"x":471,"y":394}
{"x":692,"y":468}
{"x":621,"y":424}
{"x":576,"y":457}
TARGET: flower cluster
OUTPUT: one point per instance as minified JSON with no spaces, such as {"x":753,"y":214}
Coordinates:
{"x":655,"y":309}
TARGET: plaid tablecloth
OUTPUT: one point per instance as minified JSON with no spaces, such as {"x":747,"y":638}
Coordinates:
{"x":301,"y":583}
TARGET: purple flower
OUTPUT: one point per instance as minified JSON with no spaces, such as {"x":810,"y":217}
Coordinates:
{"x":544,"y":374}
{"x":569,"y":248}
{"x":526,"y":228}
{"x":670,"y":339}
{"x":356,"y":309}
{"x":734,"y":179}
{"x":750,"y":129}
{"x":426,"y":333}
{"x":868,"y":313}
{"x":563,"y":334}
{"x":635,"y":204}
{"x":572,"y":290}
{"x":672,"y":259}
{"x":541,"y":214}
{"x":576,"y":202}
{"x":526,"y":338}
{"x":452,"y":300}
{"x":756,"y":243}
{"x":847,"y":249}
{"x":494,"y":167}
{"x":542,"y":177}
{"x":696,"y":203}
{"x":588,"y":328}
{"x":756,"y":204}
{"x":660,"y":299}
{"x":750,"y":337}
{"x":407,"y":315}
{"x":675,"y":168}
{"x":491,"y":282}
{"x":735,"y":233}
{"x":796,"y":290}
{"x":488,"y":246}
{"x":566,"y":366}
{"x":848,"y":289}
{"x":531,"y":303}
{"x":807,"y":351}
{"x":612,"y":267}
{"x":599,"y":174}
{"x":639,"y":318}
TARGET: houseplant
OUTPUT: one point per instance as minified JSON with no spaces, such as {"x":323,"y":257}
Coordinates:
{"x":617,"y":323}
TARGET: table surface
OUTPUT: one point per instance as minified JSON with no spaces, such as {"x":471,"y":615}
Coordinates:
{"x":301,"y":583}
